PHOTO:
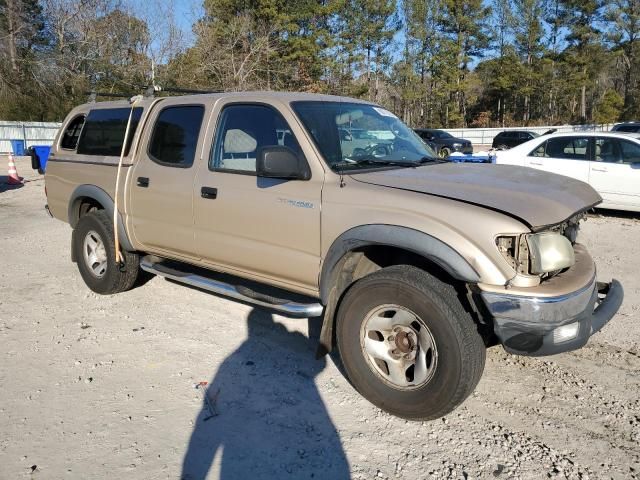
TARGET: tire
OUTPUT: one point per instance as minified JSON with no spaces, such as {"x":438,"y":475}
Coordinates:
{"x":444,"y":152}
{"x":101,"y":273}
{"x":453,"y":350}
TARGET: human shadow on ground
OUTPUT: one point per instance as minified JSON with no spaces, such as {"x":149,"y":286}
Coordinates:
{"x":271,"y":421}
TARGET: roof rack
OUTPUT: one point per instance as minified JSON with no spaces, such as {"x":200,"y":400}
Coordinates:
{"x":186,"y":90}
{"x":149,"y":91}
{"x":93,"y":95}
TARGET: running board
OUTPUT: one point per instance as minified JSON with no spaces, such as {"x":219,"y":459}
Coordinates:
{"x":239,"y":292}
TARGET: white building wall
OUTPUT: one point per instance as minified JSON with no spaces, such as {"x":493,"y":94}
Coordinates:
{"x":32,"y":133}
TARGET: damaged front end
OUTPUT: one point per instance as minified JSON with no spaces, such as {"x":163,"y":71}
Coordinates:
{"x":564,"y":308}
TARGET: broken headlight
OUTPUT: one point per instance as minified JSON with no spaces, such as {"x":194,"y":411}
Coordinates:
{"x":548,"y":252}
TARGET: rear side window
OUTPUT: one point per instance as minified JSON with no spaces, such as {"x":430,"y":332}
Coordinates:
{"x":72,"y":133}
{"x":104,"y":130}
{"x":175,"y":135}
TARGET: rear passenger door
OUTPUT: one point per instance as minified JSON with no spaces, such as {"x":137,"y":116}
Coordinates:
{"x":568,"y":156}
{"x":161,"y":183}
{"x":262,"y":228}
{"x":615,"y":172}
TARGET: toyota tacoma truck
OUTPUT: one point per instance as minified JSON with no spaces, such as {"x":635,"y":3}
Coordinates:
{"x":414,"y":265}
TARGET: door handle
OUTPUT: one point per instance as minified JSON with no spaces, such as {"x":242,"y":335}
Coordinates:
{"x":143,"y":182}
{"x":209,"y":192}
{"x":594,"y":169}
{"x":536,"y":163}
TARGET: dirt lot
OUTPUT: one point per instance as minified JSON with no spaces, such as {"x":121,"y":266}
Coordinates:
{"x":103,"y":387}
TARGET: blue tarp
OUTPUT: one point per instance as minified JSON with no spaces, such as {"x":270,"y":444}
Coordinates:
{"x":475,"y":158}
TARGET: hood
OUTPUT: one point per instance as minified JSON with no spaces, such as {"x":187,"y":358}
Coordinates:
{"x":536,"y":198}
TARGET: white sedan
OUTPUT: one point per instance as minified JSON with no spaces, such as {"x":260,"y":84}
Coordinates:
{"x":609,"y":162}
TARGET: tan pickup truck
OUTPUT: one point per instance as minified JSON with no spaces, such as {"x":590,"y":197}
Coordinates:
{"x":321,"y":206}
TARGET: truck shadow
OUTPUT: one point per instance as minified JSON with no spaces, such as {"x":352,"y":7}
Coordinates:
{"x":269,"y":419}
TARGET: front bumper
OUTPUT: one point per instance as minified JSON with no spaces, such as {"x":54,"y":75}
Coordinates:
{"x":537,"y":326}
{"x":466,"y":149}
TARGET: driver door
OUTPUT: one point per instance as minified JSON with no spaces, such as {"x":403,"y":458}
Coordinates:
{"x":256,"y":227}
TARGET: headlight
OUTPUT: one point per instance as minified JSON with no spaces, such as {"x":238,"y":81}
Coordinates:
{"x":456,"y":145}
{"x":549,"y":251}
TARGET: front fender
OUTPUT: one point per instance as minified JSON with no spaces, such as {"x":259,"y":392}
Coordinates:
{"x":408,"y":239}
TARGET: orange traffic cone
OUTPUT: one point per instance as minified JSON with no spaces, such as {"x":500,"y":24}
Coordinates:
{"x":14,"y":179}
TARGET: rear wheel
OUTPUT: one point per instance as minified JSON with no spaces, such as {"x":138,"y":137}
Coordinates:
{"x":407,"y":344}
{"x":94,"y":250}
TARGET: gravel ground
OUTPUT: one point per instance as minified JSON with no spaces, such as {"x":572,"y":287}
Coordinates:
{"x":103,"y":387}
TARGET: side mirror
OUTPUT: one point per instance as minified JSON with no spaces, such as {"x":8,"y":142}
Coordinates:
{"x":281,"y":162}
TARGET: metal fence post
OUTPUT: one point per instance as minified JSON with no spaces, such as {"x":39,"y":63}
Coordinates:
{"x":24,"y":135}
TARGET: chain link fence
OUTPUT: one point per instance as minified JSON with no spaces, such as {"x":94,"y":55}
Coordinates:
{"x":484,"y":136}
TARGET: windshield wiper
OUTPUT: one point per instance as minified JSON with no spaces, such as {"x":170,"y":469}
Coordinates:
{"x":424,"y":160}
{"x":371,"y":160}
{"x":379,"y":161}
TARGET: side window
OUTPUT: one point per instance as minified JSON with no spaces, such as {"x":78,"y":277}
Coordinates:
{"x":607,"y":150}
{"x":72,"y":133}
{"x":628,"y":129}
{"x":242,"y":130}
{"x":539,"y":151}
{"x":104,"y":130}
{"x":572,"y":148}
{"x":174,"y":139}
{"x":630,"y":151}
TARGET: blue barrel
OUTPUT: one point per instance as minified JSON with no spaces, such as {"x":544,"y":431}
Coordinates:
{"x":42,"y":151}
{"x":17,"y":146}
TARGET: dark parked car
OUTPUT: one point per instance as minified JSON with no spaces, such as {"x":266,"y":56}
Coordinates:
{"x":444,"y":143}
{"x":627,"y":127}
{"x":512,"y":138}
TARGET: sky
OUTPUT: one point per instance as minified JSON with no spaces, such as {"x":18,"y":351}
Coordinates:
{"x":186,"y":12}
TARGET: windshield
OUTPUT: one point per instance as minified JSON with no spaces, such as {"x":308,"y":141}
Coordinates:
{"x":356,"y":135}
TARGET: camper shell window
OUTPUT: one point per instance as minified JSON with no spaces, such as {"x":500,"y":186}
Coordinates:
{"x":104,"y":130}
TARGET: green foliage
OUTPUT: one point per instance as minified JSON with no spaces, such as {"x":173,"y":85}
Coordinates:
{"x":608,"y":108}
{"x":455,"y":63}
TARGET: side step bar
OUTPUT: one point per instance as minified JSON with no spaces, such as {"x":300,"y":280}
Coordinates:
{"x":239,"y":292}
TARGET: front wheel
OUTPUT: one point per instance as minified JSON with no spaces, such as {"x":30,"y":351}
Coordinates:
{"x":407,"y":344}
{"x":444,"y":152}
{"x":94,"y":250}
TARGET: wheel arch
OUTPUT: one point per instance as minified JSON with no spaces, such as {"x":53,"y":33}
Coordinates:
{"x":94,"y":195}
{"x":364,"y":249}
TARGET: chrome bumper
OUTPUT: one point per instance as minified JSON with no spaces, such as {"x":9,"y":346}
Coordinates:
{"x":549,"y":325}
